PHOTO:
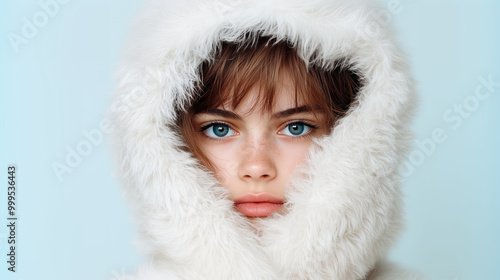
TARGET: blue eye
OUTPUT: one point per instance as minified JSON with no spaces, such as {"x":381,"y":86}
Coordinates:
{"x":219,"y":130}
{"x":296,"y":129}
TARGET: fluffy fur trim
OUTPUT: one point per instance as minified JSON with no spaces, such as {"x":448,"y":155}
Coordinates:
{"x":345,"y":203}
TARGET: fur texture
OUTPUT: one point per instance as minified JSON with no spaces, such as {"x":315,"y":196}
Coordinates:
{"x":344,"y":204}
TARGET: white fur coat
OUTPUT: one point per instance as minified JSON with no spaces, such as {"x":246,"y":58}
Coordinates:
{"x":345,"y":204}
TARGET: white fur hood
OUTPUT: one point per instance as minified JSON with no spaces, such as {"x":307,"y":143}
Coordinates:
{"x":344,"y":212}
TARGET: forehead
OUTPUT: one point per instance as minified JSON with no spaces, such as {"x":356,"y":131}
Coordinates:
{"x":283,"y":97}
{"x":270,"y":66}
{"x":265,"y":96}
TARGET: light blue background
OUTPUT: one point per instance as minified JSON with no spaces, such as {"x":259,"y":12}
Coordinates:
{"x":59,"y":84}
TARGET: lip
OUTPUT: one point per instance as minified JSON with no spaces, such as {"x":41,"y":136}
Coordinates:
{"x":258,"y":205}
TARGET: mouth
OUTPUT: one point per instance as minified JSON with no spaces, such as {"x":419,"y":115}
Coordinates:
{"x":258,"y":205}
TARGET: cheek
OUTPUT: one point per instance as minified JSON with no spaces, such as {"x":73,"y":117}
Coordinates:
{"x":293,"y":153}
{"x":223,"y":158}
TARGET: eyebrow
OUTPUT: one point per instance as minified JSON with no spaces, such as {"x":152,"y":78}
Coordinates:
{"x":291,"y":112}
{"x":277,"y":115}
{"x":222,"y":113}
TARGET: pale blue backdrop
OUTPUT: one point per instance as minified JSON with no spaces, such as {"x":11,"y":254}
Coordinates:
{"x":55,"y":89}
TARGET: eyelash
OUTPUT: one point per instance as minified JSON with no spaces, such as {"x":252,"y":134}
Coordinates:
{"x":210,"y":124}
{"x":304,"y":122}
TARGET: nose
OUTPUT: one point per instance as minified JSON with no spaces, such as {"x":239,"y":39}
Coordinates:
{"x":257,"y":161}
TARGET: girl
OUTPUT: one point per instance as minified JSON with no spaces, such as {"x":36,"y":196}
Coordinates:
{"x":261,"y":140}
{"x":255,"y":116}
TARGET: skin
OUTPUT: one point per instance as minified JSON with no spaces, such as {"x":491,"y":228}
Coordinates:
{"x":256,"y":151}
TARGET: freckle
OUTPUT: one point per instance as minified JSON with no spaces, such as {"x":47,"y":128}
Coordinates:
{"x":247,"y":146}
{"x":270,"y":146}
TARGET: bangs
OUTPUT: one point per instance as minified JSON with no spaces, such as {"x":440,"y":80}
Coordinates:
{"x":237,"y":69}
{"x":263,"y":64}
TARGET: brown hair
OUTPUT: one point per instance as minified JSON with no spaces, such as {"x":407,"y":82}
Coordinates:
{"x":237,"y":68}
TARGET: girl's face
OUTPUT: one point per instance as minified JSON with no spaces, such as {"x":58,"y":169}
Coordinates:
{"x":254,"y":152}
